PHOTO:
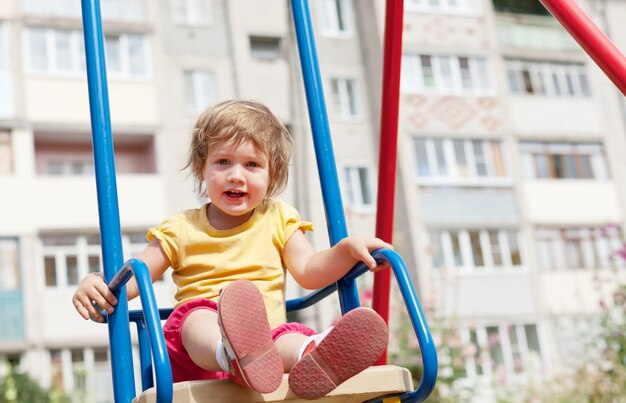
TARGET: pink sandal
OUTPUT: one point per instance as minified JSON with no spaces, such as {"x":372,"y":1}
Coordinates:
{"x":247,"y":336}
{"x":355,"y":343}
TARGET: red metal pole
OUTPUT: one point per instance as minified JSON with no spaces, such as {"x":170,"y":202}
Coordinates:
{"x":591,"y":38}
{"x":388,"y":148}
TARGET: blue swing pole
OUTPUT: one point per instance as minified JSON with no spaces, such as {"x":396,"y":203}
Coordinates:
{"x":326,"y":166}
{"x":108,"y":210}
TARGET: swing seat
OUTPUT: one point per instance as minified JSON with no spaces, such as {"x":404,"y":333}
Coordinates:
{"x":372,"y":383}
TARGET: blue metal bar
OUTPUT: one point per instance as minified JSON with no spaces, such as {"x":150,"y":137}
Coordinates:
{"x":145,"y":359}
{"x":318,"y":116}
{"x":420,"y":327}
{"x":112,"y":256}
{"x":150,"y":318}
{"x":164,"y":389}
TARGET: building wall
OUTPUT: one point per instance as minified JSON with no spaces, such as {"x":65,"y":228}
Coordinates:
{"x":472,"y":241}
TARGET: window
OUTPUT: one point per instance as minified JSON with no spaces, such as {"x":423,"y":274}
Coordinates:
{"x":55,"y":51}
{"x":463,"y":7}
{"x":459,"y":161}
{"x":61,"y":52}
{"x":67,"y":167}
{"x":265,"y":47}
{"x":4,"y":51}
{"x":9,"y":265}
{"x":195,"y":13}
{"x":545,"y":160}
{"x":127,"y":55}
{"x":6,"y":153}
{"x":68,"y":258}
{"x":345,"y":97}
{"x":359,"y":186}
{"x":446,"y":74}
{"x":123,"y":10}
{"x":513,"y":348}
{"x":83,"y":374}
{"x":545,"y":78}
{"x":134,"y":154}
{"x":199,"y":90}
{"x":334,"y":17}
{"x":578,"y":248}
{"x":476,"y":249}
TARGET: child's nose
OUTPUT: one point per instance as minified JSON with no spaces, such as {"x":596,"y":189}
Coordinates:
{"x":235,"y":174}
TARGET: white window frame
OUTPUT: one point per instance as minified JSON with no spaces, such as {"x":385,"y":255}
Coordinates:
{"x":7,"y":166}
{"x":442,"y":241}
{"x":200,"y":97}
{"x":192,"y":13}
{"x":82,"y":251}
{"x":452,"y":176}
{"x":543,"y":75}
{"x":458,"y":7}
{"x":76,"y":51}
{"x":87,"y":368}
{"x":118,"y":10}
{"x":77,"y":54}
{"x":329,"y":18}
{"x":345,"y":92}
{"x":4,"y":48}
{"x":472,"y":365}
{"x":447,"y":75}
{"x":125,"y":54}
{"x":9,"y":264}
{"x":354,"y":187}
{"x":595,"y":247}
{"x":530,"y":150}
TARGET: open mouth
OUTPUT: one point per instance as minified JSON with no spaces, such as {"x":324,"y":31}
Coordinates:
{"x":235,"y":193}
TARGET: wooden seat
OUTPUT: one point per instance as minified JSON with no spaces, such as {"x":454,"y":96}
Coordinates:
{"x":372,"y":383}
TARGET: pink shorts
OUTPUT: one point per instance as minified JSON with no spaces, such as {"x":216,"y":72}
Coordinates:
{"x":183,"y":368}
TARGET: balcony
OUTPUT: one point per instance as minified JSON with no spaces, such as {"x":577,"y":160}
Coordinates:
{"x":11,"y":316}
{"x":532,"y":32}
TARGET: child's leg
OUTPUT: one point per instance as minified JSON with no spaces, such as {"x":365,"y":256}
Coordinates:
{"x":247,"y":337}
{"x":200,"y":336}
{"x":289,"y":345}
{"x":352,"y":345}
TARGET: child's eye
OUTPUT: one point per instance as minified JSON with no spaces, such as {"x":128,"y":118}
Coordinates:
{"x":222,"y":162}
{"x":252,"y":164}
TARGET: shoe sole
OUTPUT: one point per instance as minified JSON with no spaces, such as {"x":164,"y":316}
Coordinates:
{"x":355,"y":343}
{"x":247,"y":333}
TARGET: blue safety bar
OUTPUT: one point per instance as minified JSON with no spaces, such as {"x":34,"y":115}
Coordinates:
{"x":148,"y":321}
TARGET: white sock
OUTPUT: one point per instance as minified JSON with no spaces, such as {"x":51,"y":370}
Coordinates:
{"x":317,"y":338}
{"x":222,"y":356}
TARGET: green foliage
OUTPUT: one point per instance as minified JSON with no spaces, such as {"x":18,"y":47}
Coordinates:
{"x":20,"y":388}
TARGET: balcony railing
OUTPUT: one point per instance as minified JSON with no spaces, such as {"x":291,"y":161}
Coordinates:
{"x":532,"y":32}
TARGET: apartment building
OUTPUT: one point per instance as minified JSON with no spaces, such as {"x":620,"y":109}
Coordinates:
{"x":510,"y":183}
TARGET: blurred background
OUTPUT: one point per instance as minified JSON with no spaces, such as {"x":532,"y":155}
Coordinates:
{"x":511,"y":182}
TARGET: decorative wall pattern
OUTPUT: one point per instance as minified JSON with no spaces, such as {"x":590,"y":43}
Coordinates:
{"x":453,"y":113}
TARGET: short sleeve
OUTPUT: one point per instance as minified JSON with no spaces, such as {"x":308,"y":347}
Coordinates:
{"x":291,"y":222}
{"x":168,"y":235}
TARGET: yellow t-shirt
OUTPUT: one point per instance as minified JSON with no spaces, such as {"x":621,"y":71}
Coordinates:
{"x":205,"y":259}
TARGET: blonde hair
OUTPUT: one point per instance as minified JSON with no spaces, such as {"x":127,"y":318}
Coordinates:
{"x":241,"y":121}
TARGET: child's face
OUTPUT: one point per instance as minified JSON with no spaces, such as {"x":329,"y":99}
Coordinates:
{"x":236,"y":177}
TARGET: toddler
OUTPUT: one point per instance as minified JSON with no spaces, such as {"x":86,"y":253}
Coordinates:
{"x":229,"y":259}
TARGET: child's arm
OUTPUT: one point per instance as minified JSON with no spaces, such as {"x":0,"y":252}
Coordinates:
{"x":93,"y":288}
{"x":313,"y":270}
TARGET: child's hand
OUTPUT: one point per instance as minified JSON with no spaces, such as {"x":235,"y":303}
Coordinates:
{"x":92,"y":288}
{"x":361,"y":247}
